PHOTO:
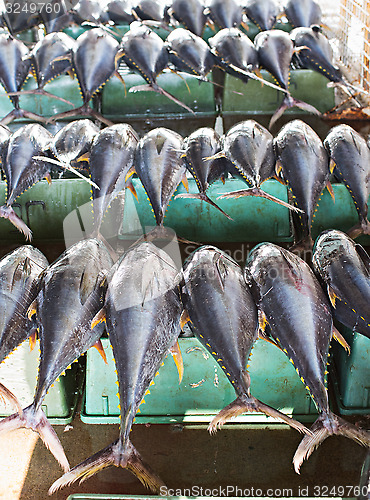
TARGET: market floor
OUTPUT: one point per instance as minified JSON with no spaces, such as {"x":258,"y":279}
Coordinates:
{"x":185,"y":457}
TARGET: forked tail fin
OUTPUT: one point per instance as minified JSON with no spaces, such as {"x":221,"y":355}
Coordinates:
{"x":37,"y":421}
{"x":243,"y":404}
{"x":160,"y":90}
{"x":8,"y":213}
{"x":256,"y":191}
{"x":116,"y":454}
{"x":7,"y":394}
{"x":203,"y":197}
{"x":326,"y":425}
{"x":291,"y":102}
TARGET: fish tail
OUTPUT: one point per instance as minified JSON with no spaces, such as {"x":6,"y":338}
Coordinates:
{"x":115,"y":454}
{"x":256,"y":191}
{"x":8,"y":213}
{"x":363,"y":227}
{"x":243,"y":404}
{"x":326,"y":425}
{"x":203,"y":197}
{"x":7,"y":394}
{"x":37,"y":421}
{"x":291,"y":102}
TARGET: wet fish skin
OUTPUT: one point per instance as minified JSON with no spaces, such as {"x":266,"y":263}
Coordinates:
{"x":233,"y":49}
{"x":119,"y":11}
{"x":19,"y":279}
{"x":52,"y":46}
{"x":151,"y":10}
{"x":144,"y":51}
{"x":15,"y":65}
{"x":111,"y":157}
{"x":319,"y":54}
{"x":21,"y":169}
{"x":305,"y":167}
{"x":302,"y":12}
{"x":142,"y":310}
{"x":159,"y":165}
{"x":344,"y":268}
{"x":263,"y":13}
{"x":190,"y":14}
{"x":224,"y":318}
{"x":199,"y":148}
{"x":275,"y":50}
{"x":248,"y":148}
{"x":351,"y":155}
{"x":189,"y":52}
{"x":298,"y":314}
{"x":70,"y":294}
{"x":55,"y":18}
{"x":225,"y":13}
{"x":93,"y":60}
{"x":73,"y":141}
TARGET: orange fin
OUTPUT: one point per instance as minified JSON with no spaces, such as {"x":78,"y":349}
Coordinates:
{"x":48,"y":178}
{"x":332,"y":166}
{"x":98,"y":318}
{"x":184,"y":318}
{"x":32,"y":309}
{"x":84,"y":157}
{"x":131,"y":172}
{"x":130,"y":186}
{"x":331,"y":190}
{"x":99,"y":346}
{"x":184,"y":180}
{"x":32,"y":339}
{"x":332,"y":296}
{"x":262,"y":320}
{"x":177,"y":357}
{"x":339,"y":338}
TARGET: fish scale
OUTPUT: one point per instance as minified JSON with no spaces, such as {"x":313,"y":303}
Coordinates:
{"x":223,"y":316}
{"x":298,"y":314}
{"x":143,"y":325}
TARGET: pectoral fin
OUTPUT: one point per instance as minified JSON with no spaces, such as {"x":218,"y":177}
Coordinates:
{"x":98,"y":318}
{"x":339,"y":338}
{"x":184,"y":318}
{"x":99,"y":346}
{"x":177,"y":357}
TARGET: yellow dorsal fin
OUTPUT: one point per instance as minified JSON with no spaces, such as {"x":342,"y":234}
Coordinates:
{"x":177,"y":357}
{"x":98,"y":318}
{"x":339,"y":338}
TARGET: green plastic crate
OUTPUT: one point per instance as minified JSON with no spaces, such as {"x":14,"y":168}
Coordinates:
{"x":351,"y":374}
{"x":63,"y":86}
{"x":254,"y":219}
{"x":197,"y":95}
{"x":19,"y":374}
{"x":204,"y":390}
{"x":253,"y":99}
{"x":48,"y":209}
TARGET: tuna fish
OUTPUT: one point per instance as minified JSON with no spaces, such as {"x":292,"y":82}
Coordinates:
{"x":297,"y":311}
{"x":224,"y":318}
{"x":304,"y":163}
{"x":302,"y":12}
{"x":344,"y":268}
{"x":200,"y":147}
{"x":19,"y":273}
{"x":142,"y":313}
{"x":190,"y":14}
{"x":263,"y":13}
{"x":70,"y":294}
{"x":22,"y":170}
{"x":275,"y":50}
{"x":111,"y":157}
{"x":248,"y":147}
{"x":94,"y":63}
{"x":350,"y":158}
{"x":225,"y":13}
{"x":160,"y":167}
{"x":15,"y":65}
{"x":144,"y":51}
{"x":189,"y":53}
